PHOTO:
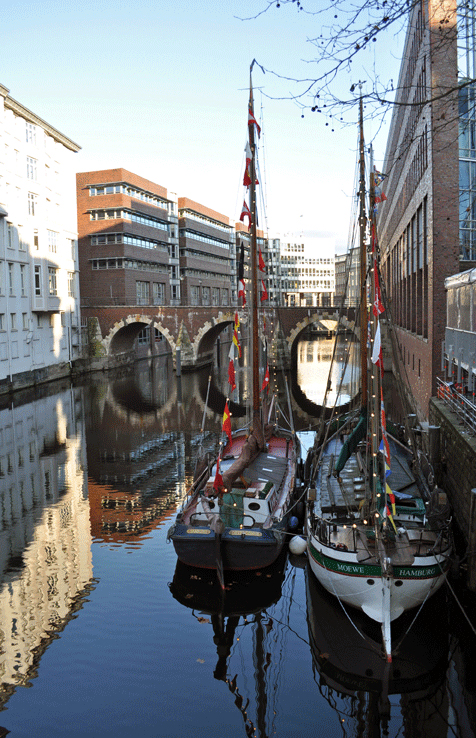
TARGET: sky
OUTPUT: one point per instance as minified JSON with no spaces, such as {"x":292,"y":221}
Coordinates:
{"x":160,"y":88}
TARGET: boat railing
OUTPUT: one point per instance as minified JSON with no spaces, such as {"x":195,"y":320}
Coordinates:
{"x":458,"y":402}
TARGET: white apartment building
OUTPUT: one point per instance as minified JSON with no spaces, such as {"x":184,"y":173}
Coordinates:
{"x":39,"y":280}
{"x":307,"y":268}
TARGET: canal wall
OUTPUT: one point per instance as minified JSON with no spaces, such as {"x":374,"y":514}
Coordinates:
{"x":456,"y":473}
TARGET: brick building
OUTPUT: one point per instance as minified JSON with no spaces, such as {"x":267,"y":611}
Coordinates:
{"x":207,"y":255}
{"x":128,"y":240}
{"x":418,"y":224}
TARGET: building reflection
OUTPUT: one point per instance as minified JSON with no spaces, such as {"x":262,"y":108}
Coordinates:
{"x":45,"y":539}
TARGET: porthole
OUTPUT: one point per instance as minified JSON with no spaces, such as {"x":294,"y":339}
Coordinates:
{"x":254,"y":506}
{"x":370,"y":581}
{"x":398,"y":583}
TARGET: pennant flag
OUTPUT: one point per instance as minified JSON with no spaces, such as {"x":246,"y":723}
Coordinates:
{"x":378,"y":177}
{"x":264,"y":291}
{"x":379,"y":195}
{"x":236,"y":340}
{"x":231,"y":374}
{"x":252,"y":120}
{"x":247,"y":176}
{"x":261,"y":264}
{"x":391,"y":497}
{"x":241,"y":274}
{"x":266,"y":379}
{"x":377,"y":349}
{"x":388,"y":514}
{"x":384,"y":441}
{"x":227,"y":421}
{"x":218,"y":477}
{"x":377,"y":307}
{"x":245,"y":213}
{"x":241,"y":291}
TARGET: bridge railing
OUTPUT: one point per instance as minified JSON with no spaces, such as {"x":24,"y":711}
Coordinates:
{"x":464,"y":407}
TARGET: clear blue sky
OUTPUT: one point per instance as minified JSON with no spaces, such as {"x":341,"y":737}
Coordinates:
{"x":160,"y":88}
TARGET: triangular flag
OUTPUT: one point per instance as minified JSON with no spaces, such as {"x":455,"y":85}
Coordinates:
{"x":227,"y":421}
{"x":218,"y":483}
{"x":377,"y":307}
{"x":245,"y":213}
{"x":377,"y":345}
{"x":264,"y":291}
{"x":261,"y":264}
{"x":252,"y":120}
{"x":266,"y":379}
{"x":231,"y":374}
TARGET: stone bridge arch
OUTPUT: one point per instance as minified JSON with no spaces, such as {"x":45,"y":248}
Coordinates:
{"x":122,"y":334}
{"x":198,"y":349}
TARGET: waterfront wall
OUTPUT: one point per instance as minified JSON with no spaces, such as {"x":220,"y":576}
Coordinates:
{"x":456,"y":474}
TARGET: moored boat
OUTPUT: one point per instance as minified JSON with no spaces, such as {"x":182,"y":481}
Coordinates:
{"x":236,"y":514}
{"x":378,"y":531}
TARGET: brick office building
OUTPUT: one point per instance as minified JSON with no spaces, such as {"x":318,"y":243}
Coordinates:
{"x":207,"y":255}
{"x":418,"y":224}
{"x":128,"y":240}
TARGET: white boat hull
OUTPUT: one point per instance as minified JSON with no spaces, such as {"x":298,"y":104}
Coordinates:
{"x":379,"y":595}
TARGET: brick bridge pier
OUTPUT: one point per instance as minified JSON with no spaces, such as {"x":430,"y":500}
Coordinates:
{"x":112,"y":331}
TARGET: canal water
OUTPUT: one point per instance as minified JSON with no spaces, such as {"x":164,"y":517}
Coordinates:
{"x":104,"y":634}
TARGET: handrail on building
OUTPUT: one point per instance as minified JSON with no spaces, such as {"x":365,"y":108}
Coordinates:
{"x":459,"y":403}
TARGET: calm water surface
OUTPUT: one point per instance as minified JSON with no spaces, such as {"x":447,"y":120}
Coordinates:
{"x":103,"y":634}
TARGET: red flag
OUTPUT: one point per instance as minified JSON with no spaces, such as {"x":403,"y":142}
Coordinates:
{"x":252,"y":120}
{"x":262,"y":265}
{"x":231,"y":374}
{"x":377,"y":306}
{"x":245,"y":213}
{"x":241,"y":290}
{"x":227,"y":421}
{"x":218,"y":477}
{"x":264,"y":291}
{"x":266,"y":379}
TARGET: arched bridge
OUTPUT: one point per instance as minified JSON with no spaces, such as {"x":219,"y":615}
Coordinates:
{"x":113,"y":330}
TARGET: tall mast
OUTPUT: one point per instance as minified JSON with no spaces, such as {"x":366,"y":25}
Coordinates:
{"x":254,"y":258}
{"x":363,"y":263}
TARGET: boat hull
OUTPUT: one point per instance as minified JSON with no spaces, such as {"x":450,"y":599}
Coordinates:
{"x":237,"y":550}
{"x":367,"y":587}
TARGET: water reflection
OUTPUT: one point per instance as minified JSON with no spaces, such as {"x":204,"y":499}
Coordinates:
{"x":237,"y":612}
{"x":45,"y":538}
{"x":313,"y":362}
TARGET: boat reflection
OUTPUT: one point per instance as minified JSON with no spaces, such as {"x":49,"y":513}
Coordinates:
{"x":370,"y":696}
{"x":242,"y":604}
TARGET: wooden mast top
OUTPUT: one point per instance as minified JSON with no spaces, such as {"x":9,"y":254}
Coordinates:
{"x":363,"y":265}
{"x":254,"y":256}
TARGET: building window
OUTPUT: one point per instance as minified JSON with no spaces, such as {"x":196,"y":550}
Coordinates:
{"x":194,"y":294}
{"x":31,"y":133}
{"x":32,"y":203}
{"x":10,"y":278}
{"x":31,"y":168}
{"x":142,"y":293}
{"x":71,"y":284}
{"x":52,"y":241}
{"x":206,"y":295}
{"x":144,"y":337}
{"x":13,"y":317}
{"x":25,"y":321}
{"x":2,"y":321}
{"x":36,"y":243}
{"x":10,"y":236}
{"x":22,"y":279}
{"x":37,"y":280}
{"x":215,"y":295}
{"x":52,"y":286}
{"x":159,"y":293}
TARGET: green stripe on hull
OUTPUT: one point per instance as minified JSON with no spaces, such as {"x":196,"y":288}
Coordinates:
{"x":368,"y":570}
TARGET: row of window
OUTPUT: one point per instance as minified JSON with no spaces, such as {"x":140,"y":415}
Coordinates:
{"x":129,"y":215}
{"x":224,"y":260}
{"x":186,"y":233}
{"x":114,"y":189}
{"x":191,"y":215}
{"x":143,"y":243}
{"x":122,"y":263}
{"x":26,"y":321}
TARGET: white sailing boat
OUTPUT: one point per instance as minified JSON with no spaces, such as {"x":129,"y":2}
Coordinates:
{"x":378,"y":534}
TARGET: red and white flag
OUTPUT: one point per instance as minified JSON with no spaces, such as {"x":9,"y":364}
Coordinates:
{"x":245,"y":213}
{"x":264,"y":291}
{"x":252,"y":121}
{"x":266,"y":379}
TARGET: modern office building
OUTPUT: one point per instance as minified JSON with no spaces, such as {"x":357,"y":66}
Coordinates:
{"x":419,"y":222}
{"x":128,"y":240}
{"x":207,"y":255}
{"x":308,"y":277}
{"x":39,"y":287}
